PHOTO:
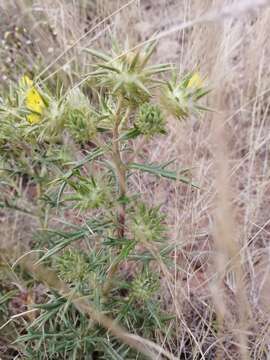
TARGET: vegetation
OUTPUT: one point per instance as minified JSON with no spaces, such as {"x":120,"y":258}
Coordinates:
{"x":39,"y":130}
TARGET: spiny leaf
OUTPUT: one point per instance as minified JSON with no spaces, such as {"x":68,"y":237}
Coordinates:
{"x":156,"y":69}
{"x":98,"y":54}
{"x":159,"y":171}
{"x":135,"y":60}
{"x":109,"y":67}
{"x":77,"y":165}
{"x":149,"y":51}
{"x":91,"y":229}
{"x":142,"y":87}
{"x":130,"y":134}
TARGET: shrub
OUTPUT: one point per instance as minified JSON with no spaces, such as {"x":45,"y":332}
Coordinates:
{"x":80,"y":153}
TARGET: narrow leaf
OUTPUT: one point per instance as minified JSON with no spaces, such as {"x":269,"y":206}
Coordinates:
{"x":98,"y":54}
{"x":159,"y":171}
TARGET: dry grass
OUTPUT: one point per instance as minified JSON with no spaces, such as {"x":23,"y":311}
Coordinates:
{"x":219,"y":287}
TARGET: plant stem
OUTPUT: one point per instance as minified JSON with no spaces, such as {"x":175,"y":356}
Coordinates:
{"x":121,"y":174}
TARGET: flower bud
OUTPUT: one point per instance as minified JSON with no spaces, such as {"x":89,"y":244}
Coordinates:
{"x":73,"y":266}
{"x":81,"y":122}
{"x":150,"y":120}
{"x":182,"y":98}
{"x":147,"y":224}
{"x":145,"y":286}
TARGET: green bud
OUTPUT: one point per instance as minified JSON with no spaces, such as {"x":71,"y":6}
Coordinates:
{"x":128,"y":75}
{"x":146,"y":224}
{"x":81,"y":126}
{"x":72,"y":266}
{"x":51,"y":128}
{"x":90,"y":193}
{"x":150,"y":120}
{"x":145,"y":286}
{"x":80,"y":118}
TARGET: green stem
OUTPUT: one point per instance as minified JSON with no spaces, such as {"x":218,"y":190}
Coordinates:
{"x":121,"y":174}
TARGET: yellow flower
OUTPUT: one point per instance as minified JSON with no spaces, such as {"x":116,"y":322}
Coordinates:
{"x":33,"y":100}
{"x":195,"y":81}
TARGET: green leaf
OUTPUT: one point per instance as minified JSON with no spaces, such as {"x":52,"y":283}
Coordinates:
{"x":134,"y":61}
{"x":77,"y":165}
{"x":60,"y":193}
{"x":142,"y":87}
{"x":126,"y":251}
{"x":160,"y":171}
{"x":61,"y":245}
{"x":130,"y":134}
{"x":98,"y":54}
{"x":111,"y":353}
{"x":157,"y":69}
{"x":149,"y":51}
{"x":6,"y":297}
{"x":108,"y":67}
{"x":92,"y":228}
{"x":201,"y":93}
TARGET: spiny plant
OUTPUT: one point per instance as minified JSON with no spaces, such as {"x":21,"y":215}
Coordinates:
{"x":78,"y":149}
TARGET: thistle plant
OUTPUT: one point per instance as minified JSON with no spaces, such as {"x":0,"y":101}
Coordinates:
{"x":80,"y":151}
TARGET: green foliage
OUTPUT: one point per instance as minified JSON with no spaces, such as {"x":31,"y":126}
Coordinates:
{"x":81,"y":120}
{"x":74,"y":152}
{"x":144,"y":286}
{"x":128,"y":74}
{"x":147,"y":224}
{"x":89,"y":193}
{"x":150,"y":121}
{"x":72,"y":266}
{"x":181,"y":97}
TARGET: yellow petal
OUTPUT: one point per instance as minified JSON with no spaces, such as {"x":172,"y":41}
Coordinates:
{"x":33,"y":100}
{"x":195,"y":81}
{"x":35,"y":103}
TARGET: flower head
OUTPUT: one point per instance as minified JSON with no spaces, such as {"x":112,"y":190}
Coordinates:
{"x":144,"y":286}
{"x":90,"y":193}
{"x":182,"y":98}
{"x":147,"y":224}
{"x":33,"y":100}
{"x":80,"y":118}
{"x":128,"y":74}
{"x":150,"y":120}
{"x":73,"y":266}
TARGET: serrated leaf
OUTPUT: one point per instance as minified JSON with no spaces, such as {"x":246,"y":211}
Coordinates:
{"x":159,"y":171}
